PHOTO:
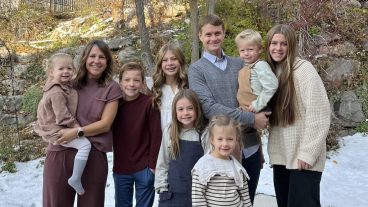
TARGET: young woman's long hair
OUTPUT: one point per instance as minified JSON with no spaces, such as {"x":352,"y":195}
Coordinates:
{"x":107,"y":74}
{"x":283,"y":103}
{"x":158,"y":76}
{"x":177,"y":126}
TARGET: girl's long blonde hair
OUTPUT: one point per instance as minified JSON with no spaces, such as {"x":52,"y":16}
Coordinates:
{"x":177,"y":126}
{"x":283,"y":103}
{"x":225,"y":121}
{"x":48,"y":64}
{"x":158,"y":76}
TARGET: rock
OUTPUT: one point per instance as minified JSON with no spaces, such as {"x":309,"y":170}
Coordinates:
{"x":347,"y":111}
{"x":64,"y":50}
{"x":131,"y":23}
{"x":11,"y":120}
{"x":128,"y":55}
{"x":340,"y":49}
{"x":76,"y":61}
{"x":78,"y":50}
{"x":17,"y":85}
{"x":177,"y":42}
{"x":326,"y":38}
{"x":343,"y":68}
{"x":324,"y":25}
{"x":152,"y":44}
{"x":366,"y":5}
{"x":353,"y":3}
{"x":25,"y":57}
{"x":129,"y":13}
{"x":19,"y":70}
{"x":11,"y":103}
{"x":119,"y":43}
{"x":364,"y":43}
{"x":4,"y":53}
{"x":173,"y":10}
{"x":347,"y":132}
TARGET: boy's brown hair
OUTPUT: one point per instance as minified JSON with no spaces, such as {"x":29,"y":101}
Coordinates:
{"x":211,"y":19}
{"x":132,"y":66}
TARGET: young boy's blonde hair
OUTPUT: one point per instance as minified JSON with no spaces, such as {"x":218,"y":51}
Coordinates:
{"x":250,"y":36}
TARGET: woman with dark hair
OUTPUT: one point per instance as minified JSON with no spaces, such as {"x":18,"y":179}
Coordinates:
{"x":98,"y":98}
{"x":300,"y":121}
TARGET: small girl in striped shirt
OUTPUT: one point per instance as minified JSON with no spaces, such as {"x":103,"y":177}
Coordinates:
{"x":218,"y":178}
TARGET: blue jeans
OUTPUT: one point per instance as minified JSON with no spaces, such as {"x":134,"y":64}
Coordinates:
{"x":144,"y":190}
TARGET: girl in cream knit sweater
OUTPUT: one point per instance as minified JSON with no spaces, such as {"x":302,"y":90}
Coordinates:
{"x":299,"y":122}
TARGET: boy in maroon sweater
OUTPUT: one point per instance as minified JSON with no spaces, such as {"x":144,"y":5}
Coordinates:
{"x":136,"y":143}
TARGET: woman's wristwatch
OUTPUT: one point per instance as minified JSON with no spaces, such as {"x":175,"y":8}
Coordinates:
{"x":80,"y":132}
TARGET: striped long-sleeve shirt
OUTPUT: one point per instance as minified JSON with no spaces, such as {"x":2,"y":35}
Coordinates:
{"x":220,"y":191}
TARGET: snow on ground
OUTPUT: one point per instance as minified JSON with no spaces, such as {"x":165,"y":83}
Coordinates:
{"x":344,"y":181}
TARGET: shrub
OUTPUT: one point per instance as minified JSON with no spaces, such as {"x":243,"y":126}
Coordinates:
{"x":19,"y":147}
{"x":237,"y":17}
{"x":362,"y":127}
{"x":31,"y":99}
{"x":333,"y":137}
{"x":362,"y":93}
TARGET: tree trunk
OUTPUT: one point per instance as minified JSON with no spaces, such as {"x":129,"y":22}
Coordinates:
{"x":118,"y":14}
{"x":147,"y":58}
{"x":194,"y":30}
{"x":211,"y":6}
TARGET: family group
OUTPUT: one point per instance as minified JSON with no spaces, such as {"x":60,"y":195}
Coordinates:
{"x":192,"y":138}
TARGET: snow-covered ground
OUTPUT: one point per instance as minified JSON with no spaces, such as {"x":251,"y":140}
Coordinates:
{"x":344,"y":181}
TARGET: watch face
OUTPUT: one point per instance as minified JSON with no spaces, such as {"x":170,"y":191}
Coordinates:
{"x":80,"y":134}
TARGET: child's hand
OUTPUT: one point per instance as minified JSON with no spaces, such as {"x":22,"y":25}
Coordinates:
{"x":251,"y":108}
{"x":153,"y":170}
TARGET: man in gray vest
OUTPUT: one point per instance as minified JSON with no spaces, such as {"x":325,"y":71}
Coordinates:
{"x":214,"y":78}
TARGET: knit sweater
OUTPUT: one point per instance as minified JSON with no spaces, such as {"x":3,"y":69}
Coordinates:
{"x":306,"y":138}
{"x":137,"y":135}
{"x":217,"y":89}
{"x":218,"y":182}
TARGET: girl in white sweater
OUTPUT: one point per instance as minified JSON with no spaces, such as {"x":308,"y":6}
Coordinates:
{"x":299,"y":122}
{"x":169,"y":77}
{"x":218,"y":178}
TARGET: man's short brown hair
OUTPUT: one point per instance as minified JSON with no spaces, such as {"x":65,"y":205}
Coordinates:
{"x":211,"y":19}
